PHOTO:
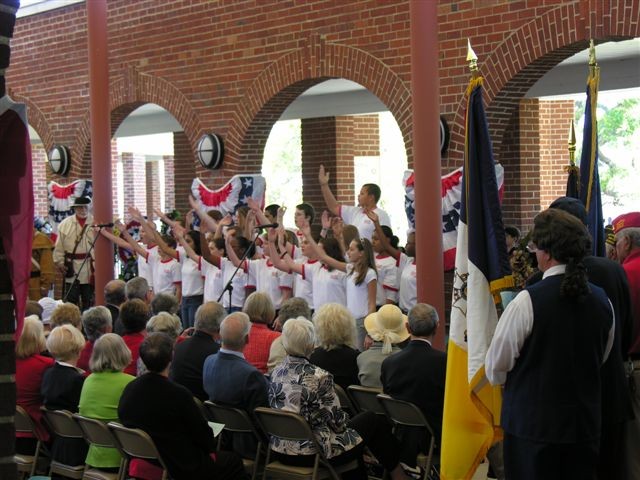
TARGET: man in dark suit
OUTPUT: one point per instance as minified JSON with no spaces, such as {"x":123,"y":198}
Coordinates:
{"x":228,"y":378}
{"x":167,"y":412}
{"x":616,"y":400}
{"x":417,"y":374}
{"x":189,"y":356}
{"x":114,"y":296}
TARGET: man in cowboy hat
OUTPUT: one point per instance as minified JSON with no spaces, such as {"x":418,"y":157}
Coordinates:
{"x":73,"y":247}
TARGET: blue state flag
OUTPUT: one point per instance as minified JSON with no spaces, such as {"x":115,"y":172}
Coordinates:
{"x":590,"y":193}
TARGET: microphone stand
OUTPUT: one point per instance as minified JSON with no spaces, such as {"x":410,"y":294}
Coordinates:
{"x":84,"y":261}
{"x":228,"y":287}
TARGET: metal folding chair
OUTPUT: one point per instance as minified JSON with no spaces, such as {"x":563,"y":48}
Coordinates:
{"x":24,"y":424}
{"x":290,"y":426}
{"x":136,"y":443}
{"x":409,"y":415}
{"x":97,"y":433}
{"x":237,"y":421}
{"x":366,"y":399}
{"x":62,"y":424}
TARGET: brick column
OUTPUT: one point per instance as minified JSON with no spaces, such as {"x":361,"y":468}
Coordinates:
{"x":115,"y":159}
{"x":169,"y":184}
{"x":135,"y":183}
{"x":153,"y":186}
{"x":534,"y":153}
{"x":184,"y":170}
{"x":366,"y":136}
{"x":555,"y":121}
{"x":39,"y":166}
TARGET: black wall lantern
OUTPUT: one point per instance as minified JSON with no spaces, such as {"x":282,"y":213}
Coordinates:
{"x":210,"y":151}
{"x":59,"y":159}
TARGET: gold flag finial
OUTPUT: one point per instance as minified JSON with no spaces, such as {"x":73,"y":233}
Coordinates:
{"x":472,"y":58}
{"x":572,"y":144}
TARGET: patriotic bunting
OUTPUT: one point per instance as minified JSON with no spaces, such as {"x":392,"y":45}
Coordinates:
{"x":231,"y":195}
{"x":62,"y":197}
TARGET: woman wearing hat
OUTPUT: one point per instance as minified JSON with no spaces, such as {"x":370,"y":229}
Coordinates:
{"x":387,"y":327}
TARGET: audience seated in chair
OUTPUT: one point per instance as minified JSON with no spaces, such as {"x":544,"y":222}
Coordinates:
{"x":422,"y":386}
{"x":61,"y":387}
{"x":259,"y":308}
{"x":96,"y":322}
{"x":189,"y":356}
{"x":134,"y":315}
{"x":168,"y":413}
{"x":293,"y":308}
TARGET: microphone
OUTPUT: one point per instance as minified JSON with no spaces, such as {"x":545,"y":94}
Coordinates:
{"x":103,"y":225}
{"x":267,"y":225}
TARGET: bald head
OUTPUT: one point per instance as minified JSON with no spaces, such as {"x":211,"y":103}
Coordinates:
{"x":114,"y":292}
{"x":234,"y":331}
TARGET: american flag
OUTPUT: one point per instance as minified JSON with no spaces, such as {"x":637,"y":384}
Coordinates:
{"x":451,"y":197}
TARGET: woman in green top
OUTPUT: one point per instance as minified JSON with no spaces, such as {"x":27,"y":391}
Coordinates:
{"x":102,"y":390}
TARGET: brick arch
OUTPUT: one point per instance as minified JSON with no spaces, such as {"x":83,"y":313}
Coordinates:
{"x":293,"y":73}
{"x":38,"y":121}
{"x":530,"y":52}
{"x":130,"y":91}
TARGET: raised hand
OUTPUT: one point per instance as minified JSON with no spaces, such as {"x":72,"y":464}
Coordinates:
{"x":253,"y":204}
{"x":326,"y":220}
{"x":323,"y":177}
{"x":372,"y":215}
{"x":226,"y":220}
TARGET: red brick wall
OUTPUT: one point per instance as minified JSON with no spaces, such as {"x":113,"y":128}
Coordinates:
{"x":135,"y":183}
{"x":318,"y":139}
{"x":366,"y":136}
{"x":555,"y":122}
{"x":185,"y":171}
{"x":232,"y":67}
{"x":153,"y":187}
{"x":40,"y":167}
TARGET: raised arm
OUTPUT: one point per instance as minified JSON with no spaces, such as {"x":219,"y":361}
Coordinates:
{"x":231,"y":252}
{"x":394,"y":252}
{"x":202,"y":213}
{"x":323,"y":257}
{"x":207,"y":254}
{"x":133,"y":245}
{"x":187,"y":248}
{"x":327,"y":194}
{"x":173,"y":253}
{"x":162,"y":216}
{"x":113,"y":238}
{"x":337,"y":227}
{"x":282,"y":261}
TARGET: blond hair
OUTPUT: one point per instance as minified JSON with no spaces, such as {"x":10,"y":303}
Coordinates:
{"x":66,"y":313}
{"x":110,"y":354}
{"x":259,"y":307}
{"x":65,"y":342}
{"x":32,"y":339}
{"x":335,"y":326}
{"x":165,"y":322}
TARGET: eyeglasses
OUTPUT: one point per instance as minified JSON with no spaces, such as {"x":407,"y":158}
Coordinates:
{"x":531,"y":247}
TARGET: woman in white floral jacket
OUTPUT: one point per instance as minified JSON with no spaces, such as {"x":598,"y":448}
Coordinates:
{"x":303,"y":388}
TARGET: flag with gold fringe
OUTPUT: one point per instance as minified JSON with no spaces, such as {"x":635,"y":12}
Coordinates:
{"x":590,"y":193}
{"x":472,"y":406}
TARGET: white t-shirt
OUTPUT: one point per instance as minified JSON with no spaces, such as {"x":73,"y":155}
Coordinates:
{"x":213,"y":283}
{"x":168,"y":274}
{"x":387,"y":279}
{"x":151,"y":262}
{"x":408,"y":295}
{"x":355,"y":216}
{"x":302,"y":286}
{"x":268,"y":279}
{"x":192,"y":283}
{"x":358,"y":295}
{"x":328,"y":286}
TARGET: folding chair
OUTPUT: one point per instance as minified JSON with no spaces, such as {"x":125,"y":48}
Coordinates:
{"x":345,"y":401}
{"x":97,"y":433}
{"x":365,"y":399}
{"x":136,"y":443}
{"x":237,"y":421}
{"x":407,"y":414}
{"x":62,"y":424}
{"x":291,"y":426}
{"x":24,"y":424}
{"x":202,"y":408}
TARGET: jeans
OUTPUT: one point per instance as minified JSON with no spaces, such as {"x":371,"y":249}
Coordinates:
{"x":188,"y":309}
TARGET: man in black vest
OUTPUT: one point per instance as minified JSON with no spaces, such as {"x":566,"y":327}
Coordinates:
{"x":548,"y":351}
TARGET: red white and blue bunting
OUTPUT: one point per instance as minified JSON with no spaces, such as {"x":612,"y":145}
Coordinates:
{"x":231,"y":195}
{"x":61,"y":197}
{"x":451,"y":196}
